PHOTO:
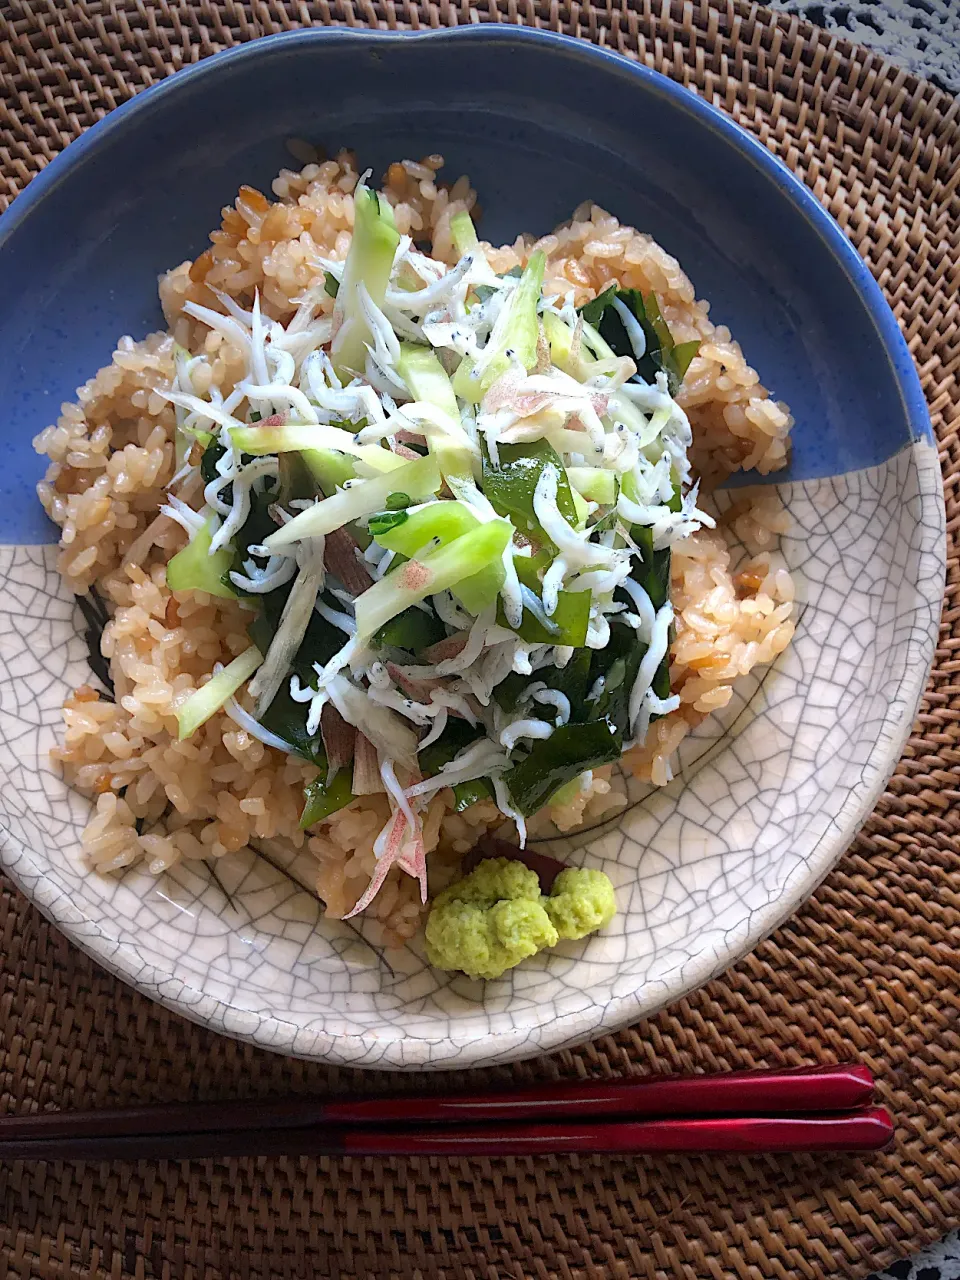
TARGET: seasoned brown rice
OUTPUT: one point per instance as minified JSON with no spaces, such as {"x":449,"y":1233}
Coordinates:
{"x":112,"y":454}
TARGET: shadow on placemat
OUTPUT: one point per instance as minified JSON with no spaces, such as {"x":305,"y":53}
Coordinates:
{"x":866,"y":970}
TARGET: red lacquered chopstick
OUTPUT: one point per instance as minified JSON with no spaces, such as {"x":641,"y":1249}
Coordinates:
{"x":865,"y":1130}
{"x":839,"y":1088}
{"x":754,"y":1092}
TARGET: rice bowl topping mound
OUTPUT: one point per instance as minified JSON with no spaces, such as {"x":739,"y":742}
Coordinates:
{"x":397,"y":538}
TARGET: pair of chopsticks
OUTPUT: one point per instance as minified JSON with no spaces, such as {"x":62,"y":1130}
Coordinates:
{"x":802,"y":1109}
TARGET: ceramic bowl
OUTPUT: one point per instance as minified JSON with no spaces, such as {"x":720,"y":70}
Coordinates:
{"x":768,"y":793}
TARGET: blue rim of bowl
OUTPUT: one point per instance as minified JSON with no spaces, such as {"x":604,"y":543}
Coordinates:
{"x":128,"y":114}
{"x":369,"y":1048}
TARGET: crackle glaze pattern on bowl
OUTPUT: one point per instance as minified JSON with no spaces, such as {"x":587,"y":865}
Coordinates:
{"x":768,"y":793}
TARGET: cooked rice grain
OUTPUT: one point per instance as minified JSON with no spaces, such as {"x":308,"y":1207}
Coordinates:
{"x":112,"y":455}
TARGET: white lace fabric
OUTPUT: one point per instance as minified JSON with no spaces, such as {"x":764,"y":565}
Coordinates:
{"x":922,"y":36}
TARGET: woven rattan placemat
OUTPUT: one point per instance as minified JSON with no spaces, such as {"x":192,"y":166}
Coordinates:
{"x":868,"y":968}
